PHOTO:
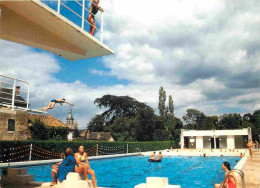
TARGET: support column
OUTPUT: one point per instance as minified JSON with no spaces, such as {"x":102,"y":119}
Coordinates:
{"x":182,"y":139}
{"x":230,"y":142}
{"x":215,"y":143}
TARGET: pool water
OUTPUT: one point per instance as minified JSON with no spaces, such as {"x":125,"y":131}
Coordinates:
{"x":127,"y":172}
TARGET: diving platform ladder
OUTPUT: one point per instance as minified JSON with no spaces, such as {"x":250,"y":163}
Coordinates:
{"x":15,"y":94}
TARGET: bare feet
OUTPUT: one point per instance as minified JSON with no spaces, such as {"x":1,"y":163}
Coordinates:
{"x":52,"y":184}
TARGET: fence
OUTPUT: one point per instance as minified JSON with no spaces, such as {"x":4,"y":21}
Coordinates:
{"x":82,"y":3}
{"x":32,"y":152}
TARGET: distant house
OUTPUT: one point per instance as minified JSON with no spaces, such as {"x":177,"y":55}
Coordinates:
{"x":101,"y":136}
{"x":14,"y":125}
{"x":48,"y":120}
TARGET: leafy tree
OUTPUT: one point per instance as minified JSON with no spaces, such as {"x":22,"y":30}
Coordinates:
{"x":231,"y":121}
{"x":162,"y":99}
{"x":119,"y":106}
{"x":144,"y":125}
{"x":171,"y":106}
{"x":194,"y":119}
{"x":38,"y":130}
{"x":161,"y":135}
{"x":96,"y":124}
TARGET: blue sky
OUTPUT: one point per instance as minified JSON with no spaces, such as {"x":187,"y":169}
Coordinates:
{"x":206,"y":54}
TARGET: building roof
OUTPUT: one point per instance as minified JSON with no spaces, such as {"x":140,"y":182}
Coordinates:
{"x":104,"y":136}
{"x":48,"y":120}
{"x":6,"y":97}
{"x":188,"y":132}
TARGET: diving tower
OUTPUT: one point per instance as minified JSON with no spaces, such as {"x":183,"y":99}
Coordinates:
{"x":15,"y":94}
{"x":35,"y":24}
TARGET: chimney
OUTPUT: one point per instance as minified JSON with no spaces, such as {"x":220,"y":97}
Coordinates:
{"x":17,"y":90}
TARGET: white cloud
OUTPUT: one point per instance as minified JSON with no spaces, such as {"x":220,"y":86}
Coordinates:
{"x":206,"y":54}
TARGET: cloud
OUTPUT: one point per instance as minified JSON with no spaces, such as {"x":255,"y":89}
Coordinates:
{"x":206,"y":54}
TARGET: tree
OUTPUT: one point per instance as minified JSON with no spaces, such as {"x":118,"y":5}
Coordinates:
{"x":119,"y":106}
{"x":194,"y":119}
{"x":230,"y":121}
{"x":162,"y":99}
{"x":144,"y":125}
{"x":38,"y":130}
{"x":96,"y":124}
{"x":171,"y":106}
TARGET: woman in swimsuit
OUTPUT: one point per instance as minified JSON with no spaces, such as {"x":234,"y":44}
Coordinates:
{"x":231,"y":179}
{"x":94,"y":8}
{"x":53,"y":102}
{"x":83,"y":165}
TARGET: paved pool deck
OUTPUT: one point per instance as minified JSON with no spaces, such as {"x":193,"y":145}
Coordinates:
{"x":251,"y":170}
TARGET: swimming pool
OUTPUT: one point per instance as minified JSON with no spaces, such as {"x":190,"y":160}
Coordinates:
{"x":126,"y":172}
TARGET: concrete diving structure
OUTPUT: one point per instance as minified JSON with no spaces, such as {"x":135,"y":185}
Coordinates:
{"x":33,"y":23}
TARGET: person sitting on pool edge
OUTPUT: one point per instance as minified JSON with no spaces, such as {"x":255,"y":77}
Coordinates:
{"x":159,"y":157}
{"x":152,"y":157}
{"x":231,"y":178}
{"x":67,"y":165}
{"x":55,"y":170}
{"x":83,"y":165}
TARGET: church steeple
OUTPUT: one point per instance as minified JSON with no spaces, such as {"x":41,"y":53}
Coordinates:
{"x":70,"y":120}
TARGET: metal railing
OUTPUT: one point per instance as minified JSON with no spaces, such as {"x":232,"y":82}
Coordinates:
{"x":229,"y":175}
{"x":82,"y":16}
{"x":13,"y":97}
{"x":13,"y":82}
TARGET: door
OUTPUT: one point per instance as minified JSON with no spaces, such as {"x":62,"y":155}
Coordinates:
{"x":212,"y":143}
{"x":186,"y":142}
{"x":217,"y":143}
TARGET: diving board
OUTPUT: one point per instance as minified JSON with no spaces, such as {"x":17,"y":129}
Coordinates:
{"x":32,"y":23}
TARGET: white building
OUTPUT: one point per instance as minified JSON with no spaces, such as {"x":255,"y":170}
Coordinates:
{"x":215,"y":139}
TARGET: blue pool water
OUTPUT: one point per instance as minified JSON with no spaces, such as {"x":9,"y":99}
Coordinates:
{"x":127,"y":172}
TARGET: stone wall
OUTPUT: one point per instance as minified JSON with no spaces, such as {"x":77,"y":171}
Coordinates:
{"x":21,"y":132}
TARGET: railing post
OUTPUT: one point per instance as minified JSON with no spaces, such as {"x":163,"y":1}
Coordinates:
{"x":102,"y":26}
{"x":96,"y":149}
{"x":58,"y":9}
{"x":13,"y":97}
{"x":28,"y":96}
{"x":30,"y":156}
{"x":83,"y":14}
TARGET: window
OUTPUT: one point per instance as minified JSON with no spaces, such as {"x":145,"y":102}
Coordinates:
{"x":11,"y":124}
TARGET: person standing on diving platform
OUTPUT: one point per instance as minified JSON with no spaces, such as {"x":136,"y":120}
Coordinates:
{"x":94,"y":8}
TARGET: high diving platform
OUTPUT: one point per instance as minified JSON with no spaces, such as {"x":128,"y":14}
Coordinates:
{"x":35,"y":24}
{"x":15,"y":94}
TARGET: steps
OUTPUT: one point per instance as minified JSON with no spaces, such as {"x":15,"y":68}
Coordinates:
{"x":16,"y":176}
{"x":156,"y":182}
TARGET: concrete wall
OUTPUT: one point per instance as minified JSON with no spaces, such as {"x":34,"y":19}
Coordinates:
{"x":206,"y":142}
{"x":231,"y":142}
{"x":199,"y":142}
{"x":222,"y":142}
{"x":239,"y":142}
{"x":21,"y":132}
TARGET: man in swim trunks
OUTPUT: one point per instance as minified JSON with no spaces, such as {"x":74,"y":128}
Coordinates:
{"x":250,"y":146}
{"x":83,"y":165}
{"x":53,"y":102}
{"x":159,"y":157}
{"x":152,"y":157}
{"x":94,"y":8}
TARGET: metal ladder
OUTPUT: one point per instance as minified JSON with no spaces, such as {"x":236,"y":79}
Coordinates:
{"x":239,"y":172}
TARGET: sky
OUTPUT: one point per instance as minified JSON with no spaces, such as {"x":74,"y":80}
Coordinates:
{"x":205,"y":53}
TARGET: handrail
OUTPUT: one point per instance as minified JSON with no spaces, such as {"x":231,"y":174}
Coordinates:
{"x":240,"y":172}
{"x":83,"y":15}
